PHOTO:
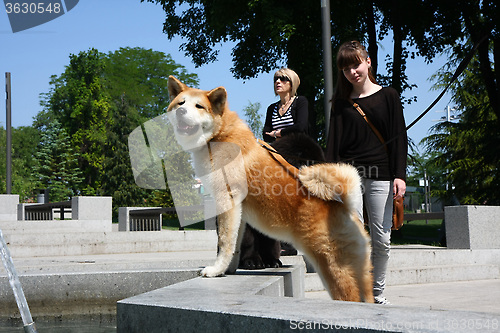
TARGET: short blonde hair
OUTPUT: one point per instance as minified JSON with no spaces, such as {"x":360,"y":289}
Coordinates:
{"x":291,"y":75}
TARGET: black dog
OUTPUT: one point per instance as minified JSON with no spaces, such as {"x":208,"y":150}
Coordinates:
{"x":257,"y":250}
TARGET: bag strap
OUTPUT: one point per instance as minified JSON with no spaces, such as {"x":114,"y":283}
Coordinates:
{"x":374,"y":129}
{"x":278,"y":158}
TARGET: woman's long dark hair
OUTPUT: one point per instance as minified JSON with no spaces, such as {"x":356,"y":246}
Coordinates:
{"x":350,"y":53}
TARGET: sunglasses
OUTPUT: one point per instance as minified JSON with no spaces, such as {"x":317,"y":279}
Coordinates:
{"x":281,"y":78}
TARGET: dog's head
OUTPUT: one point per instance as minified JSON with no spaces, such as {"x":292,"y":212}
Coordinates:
{"x":195,"y":114}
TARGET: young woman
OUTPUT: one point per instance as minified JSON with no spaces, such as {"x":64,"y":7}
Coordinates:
{"x":352,"y":140}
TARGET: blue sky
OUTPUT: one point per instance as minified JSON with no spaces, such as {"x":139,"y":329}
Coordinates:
{"x":33,"y":55}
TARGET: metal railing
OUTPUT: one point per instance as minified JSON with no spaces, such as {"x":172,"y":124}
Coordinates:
{"x":46,"y":211}
{"x":149,"y":219}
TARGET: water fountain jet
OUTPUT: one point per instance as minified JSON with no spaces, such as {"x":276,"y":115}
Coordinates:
{"x":17,"y":289}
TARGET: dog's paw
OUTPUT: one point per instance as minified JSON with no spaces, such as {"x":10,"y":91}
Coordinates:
{"x":211,"y":271}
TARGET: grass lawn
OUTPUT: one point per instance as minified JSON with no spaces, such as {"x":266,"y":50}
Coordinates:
{"x":419,"y":232}
{"x":412,"y":232}
{"x":172,"y":223}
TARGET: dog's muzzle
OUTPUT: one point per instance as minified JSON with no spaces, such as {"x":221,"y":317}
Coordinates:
{"x":180,"y":112}
{"x":183,"y":127}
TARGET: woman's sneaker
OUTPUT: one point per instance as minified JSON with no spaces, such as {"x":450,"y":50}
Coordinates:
{"x":381,"y":300}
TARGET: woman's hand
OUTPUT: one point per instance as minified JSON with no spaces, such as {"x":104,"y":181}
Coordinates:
{"x":275,"y":134}
{"x":399,"y":188}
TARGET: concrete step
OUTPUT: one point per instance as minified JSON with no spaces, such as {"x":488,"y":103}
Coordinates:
{"x":85,"y":243}
{"x":407,"y":256}
{"x":433,"y":274}
{"x":55,"y":226}
{"x":415,"y":264}
{"x":124,"y":262}
{"x":420,"y":275}
{"x":113,"y":262}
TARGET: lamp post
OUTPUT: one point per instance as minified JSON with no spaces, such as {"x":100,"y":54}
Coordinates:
{"x":327,"y":61}
{"x":8,"y":166}
{"x":449,"y":117}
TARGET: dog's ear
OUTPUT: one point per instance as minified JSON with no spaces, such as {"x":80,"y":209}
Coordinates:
{"x":217,"y":98}
{"x":175,"y":87}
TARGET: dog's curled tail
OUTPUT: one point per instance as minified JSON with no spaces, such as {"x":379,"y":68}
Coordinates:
{"x":333,"y":181}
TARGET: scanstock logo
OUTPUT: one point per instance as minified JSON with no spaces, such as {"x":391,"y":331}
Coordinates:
{"x":26,"y":14}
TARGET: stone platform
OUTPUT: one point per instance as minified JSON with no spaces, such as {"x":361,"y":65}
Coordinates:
{"x":250,"y":302}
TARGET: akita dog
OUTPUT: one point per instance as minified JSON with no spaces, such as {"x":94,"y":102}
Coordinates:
{"x":314,"y":208}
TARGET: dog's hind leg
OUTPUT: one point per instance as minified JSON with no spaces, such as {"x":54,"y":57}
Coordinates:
{"x":341,"y":257}
{"x":229,"y":235}
{"x":338,"y":279}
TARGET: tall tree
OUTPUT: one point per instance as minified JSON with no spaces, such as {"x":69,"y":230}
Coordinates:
{"x":101,"y":98}
{"x":468,"y":150}
{"x":118,"y":179}
{"x":56,"y":167}
{"x":253,"y":118}
{"x":138,"y":77}
{"x":24,"y":146}
{"x":80,"y":103}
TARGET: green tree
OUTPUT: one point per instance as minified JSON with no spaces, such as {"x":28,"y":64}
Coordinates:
{"x":267,"y":34}
{"x":253,"y":118}
{"x":468,"y":150}
{"x":56,"y":166}
{"x":270,"y":33}
{"x":458,"y":25}
{"x":136,"y":79}
{"x":24,"y":145}
{"x":101,"y":98}
{"x":79,"y":102}
{"x":140,"y":77}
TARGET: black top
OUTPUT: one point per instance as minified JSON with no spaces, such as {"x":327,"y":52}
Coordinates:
{"x":351,"y":140}
{"x":300,"y":114}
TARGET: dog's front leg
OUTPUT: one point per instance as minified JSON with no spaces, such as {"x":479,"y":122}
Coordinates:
{"x":229,"y":241}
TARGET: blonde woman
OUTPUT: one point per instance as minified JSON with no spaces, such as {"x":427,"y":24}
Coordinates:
{"x":287,"y":116}
{"x":290,"y":113}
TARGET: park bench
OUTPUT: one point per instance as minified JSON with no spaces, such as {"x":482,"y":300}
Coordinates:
{"x":150,"y":218}
{"x":47,"y":211}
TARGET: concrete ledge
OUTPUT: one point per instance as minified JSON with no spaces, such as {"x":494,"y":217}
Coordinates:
{"x":472,"y":227}
{"x":8,"y":207}
{"x":84,"y":294}
{"x":246,"y":303}
{"x":92,"y":208}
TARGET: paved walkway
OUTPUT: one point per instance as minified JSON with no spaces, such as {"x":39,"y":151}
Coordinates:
{"x":477,"y":296}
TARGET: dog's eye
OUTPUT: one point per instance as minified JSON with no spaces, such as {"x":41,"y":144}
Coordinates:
{"x":181,"y":103}
{"x":199,"y":106}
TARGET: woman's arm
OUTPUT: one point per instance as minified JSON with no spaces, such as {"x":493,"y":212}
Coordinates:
{"x":268,"y":125}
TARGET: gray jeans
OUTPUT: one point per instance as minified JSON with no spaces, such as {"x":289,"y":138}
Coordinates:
{"x":377,"y":198}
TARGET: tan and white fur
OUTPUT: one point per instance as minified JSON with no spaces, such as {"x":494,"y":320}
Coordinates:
{"x":316,"y":212}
